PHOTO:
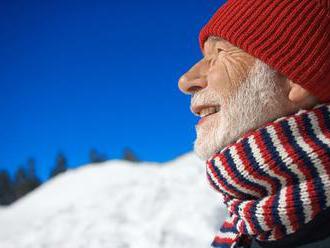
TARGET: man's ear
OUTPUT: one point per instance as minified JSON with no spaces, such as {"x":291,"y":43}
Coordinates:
{"x":297,"y":93}
{"x":301,"y":97}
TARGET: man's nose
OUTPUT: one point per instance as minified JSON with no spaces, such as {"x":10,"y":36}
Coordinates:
{"x":192,"y":81}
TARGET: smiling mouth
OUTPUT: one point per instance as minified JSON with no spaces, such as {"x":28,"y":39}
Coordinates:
{"x":205,"y":111}
{"x":209,"y":111}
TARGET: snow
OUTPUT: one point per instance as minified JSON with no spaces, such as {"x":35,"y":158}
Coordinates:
{"x":118,"y":204}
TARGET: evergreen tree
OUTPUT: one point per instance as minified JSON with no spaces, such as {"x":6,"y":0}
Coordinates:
{"x":96,"y":157}
{"x":129,"y":155}
{"x":33,"y":179}
{"x":61,"y":165}
{"x":21,"y":184}
{"x":7,"y":194}
{"x":25,"y":180}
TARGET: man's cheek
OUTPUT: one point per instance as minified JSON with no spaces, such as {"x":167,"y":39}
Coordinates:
{"x":238,"y":67}
{"x":219,"y":81}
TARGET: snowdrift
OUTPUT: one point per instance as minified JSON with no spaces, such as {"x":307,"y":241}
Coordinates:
{"x":117,"y":204}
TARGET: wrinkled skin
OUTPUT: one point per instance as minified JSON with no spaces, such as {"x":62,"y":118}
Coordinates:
{"x":217,"y":77}
{"x":222,"y":68}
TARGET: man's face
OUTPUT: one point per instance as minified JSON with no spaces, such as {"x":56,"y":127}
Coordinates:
{"x":233,"y":93}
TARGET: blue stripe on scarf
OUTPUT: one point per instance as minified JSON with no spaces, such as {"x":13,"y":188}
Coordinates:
{"x":301,"y":154}
{"x":316,"y":177}
{"x":256,"y":166}
{"x":282,"y":166}
{"x":241,"y":178}
{"x":222,"y":178}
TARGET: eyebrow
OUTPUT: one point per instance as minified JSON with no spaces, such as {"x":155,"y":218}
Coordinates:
{"x":216,"y":38}
{"x":213,"y":38}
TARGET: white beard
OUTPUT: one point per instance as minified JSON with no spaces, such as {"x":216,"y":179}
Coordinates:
{"x":260,"y":98}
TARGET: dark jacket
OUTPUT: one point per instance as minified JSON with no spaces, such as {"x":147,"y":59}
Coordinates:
{"x":315,"y":234}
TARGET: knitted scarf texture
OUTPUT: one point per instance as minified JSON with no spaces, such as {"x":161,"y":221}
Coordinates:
{"x":274,"y":179}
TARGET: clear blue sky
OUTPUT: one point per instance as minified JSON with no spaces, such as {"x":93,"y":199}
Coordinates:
{"x":76,"y":75}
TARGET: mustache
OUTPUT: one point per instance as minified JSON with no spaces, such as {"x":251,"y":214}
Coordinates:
{"x":206,"y":98}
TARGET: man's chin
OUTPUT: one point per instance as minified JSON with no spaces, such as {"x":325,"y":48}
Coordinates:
{"x":213,"y":139}
{"x":204,"y":150}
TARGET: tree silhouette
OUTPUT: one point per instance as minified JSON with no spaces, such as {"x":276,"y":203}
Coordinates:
{"x":96,"y":157}
{"x":21,"y":183}
{"x":7,"y":194}
{"x":61,"y":165}
{"x":34,"y":181}
{"x":129,"y":155}
{"x":25,"y":180}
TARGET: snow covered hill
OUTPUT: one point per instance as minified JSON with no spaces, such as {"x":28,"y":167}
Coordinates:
{"x":117,"y":204}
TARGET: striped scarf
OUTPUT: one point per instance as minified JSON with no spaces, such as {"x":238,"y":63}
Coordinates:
{"x":274,"y":179}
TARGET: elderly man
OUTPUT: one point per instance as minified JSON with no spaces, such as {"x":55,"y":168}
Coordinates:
{"x":262,"y":90}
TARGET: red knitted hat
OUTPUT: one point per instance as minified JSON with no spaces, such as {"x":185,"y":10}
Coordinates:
{"x":292,"y":36}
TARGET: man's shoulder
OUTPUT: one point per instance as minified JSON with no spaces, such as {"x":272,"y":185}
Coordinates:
{"x":325,"y":243}
{"x":314,"y":234}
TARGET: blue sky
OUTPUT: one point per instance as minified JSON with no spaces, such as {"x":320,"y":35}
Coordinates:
{"x":76,"y":75}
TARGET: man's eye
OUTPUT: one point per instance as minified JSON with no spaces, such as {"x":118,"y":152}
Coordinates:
{"x":219,"y":50}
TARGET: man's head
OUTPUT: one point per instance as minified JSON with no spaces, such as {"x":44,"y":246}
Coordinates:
{"x":272,"y":59}
{"x":235,"y":92}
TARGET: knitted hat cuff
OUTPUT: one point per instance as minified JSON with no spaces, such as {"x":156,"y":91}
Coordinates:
{"x":291,"y":36}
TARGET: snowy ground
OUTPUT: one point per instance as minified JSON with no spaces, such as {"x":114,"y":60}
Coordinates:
{"x":117,"y":205}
